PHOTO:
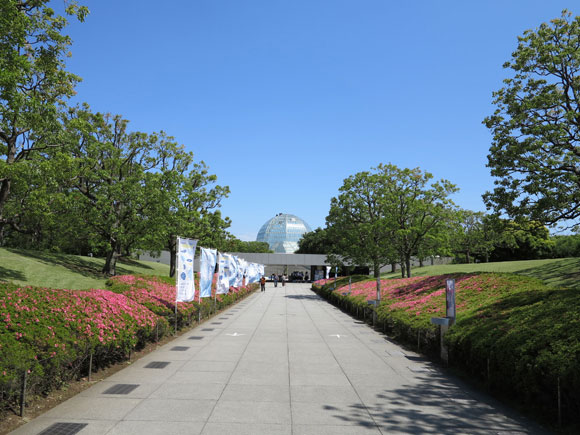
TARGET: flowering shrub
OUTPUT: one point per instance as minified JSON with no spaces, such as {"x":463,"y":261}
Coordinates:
{"x":43,"y":329}
{"x":50,"y":333}
{"x":512,"y":332}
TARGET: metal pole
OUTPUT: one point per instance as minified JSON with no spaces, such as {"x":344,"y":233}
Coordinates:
{"x":23,"y":393}
{"x":90,"y":364}
{"x":175,"y":332}
{"x":559,"y":405}
{"x":176,"y":282}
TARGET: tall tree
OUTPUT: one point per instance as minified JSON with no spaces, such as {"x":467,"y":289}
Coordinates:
{"x":33,"y":86}
{"x":191,"y":201}
{"x":359,"y":225}
{"x":535,"y":153}
{"x":468,"y":236}
{"x":419,"y":210}
{"x":314,"y":242}
{"x":116,"y":177}
{"x":388,"y":215}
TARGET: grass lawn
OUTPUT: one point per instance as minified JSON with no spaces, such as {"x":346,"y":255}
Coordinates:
{"x":559,"y":272}
{"x":46,"y":269}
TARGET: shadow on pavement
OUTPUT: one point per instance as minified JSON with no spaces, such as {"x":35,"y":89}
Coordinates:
{"x":305,"y":297}
{"x":434,"y":405}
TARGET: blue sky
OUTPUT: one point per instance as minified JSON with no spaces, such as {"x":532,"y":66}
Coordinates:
{"x":285,"y":99}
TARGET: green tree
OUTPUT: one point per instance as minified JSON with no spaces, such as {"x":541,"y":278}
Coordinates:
{"x":535,"y":153}
{"x":236,"y":245}
{"x":33,"y":87}
{"x":359,"y":225}
{"x":420,"y":212}
{"x":115,"y":176}
{"x":314,"y":242}
{"x":389,"y":215}
{"x":191,"y":201}
{"x":469,"y":238}
{"x":524,"y":240}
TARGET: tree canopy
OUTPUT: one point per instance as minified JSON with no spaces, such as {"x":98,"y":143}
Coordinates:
{"x":535,"y":153}
{"x":34,"y":85}
{"x":388,"y":214}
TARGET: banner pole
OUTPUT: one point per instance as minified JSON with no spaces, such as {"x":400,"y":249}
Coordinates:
{"x":198,"y":290}
{"x":176,"y":282}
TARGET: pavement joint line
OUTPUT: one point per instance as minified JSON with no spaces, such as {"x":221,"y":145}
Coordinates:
{"x":341,"y":368}
{"x":206,"y":343}
{"x":288,"y":361}
{"x":255,"y":299}
{"x":379,"y":354}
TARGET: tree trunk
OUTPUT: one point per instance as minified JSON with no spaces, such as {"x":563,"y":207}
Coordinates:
{"x":393,"y":267}
{"x":172,"y":255}
{"x":6,"y":182}
{"x":486,"y":257}
{"x":420,"y":262}
{"x":110,"y":267}
{"x":467,"y":257}
{"x":402,"y":269}
{"x":408,"y":266}
{"x":377,"y":274}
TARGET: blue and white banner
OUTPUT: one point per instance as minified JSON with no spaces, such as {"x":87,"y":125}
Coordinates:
{"x":253,"y":273}
{"x":242,"y":271}
{"x":185,"y":282}
{"x":260,"y":271}
{"x":225,"y":273}
{"x":206,"y":269}
{"x":235,"y":266}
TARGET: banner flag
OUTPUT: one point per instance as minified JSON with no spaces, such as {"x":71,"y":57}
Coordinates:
{"x":235,"y":265}
{"x":242,"y":272}
{"x":185,"y":282}
{"x":260,"y":271}
{"x":327,"y":272}
{"x":206,"y":269}
{"x":251,"y":273}
{"x":225,"y":273}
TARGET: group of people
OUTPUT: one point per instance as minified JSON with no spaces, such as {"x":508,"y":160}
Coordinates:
{"x":276,"y":279}
{"x":282,"y":278}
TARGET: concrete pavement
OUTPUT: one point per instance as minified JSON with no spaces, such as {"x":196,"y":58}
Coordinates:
{"x":280,"y":362}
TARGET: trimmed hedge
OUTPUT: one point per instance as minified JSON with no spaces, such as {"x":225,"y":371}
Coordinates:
{"x":513,"y":334}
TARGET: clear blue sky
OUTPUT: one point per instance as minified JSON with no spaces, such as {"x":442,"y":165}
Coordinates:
{"x":284,"y":99}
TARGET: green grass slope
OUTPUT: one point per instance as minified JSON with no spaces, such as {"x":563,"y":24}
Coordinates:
{"x":559,"y":272}
{"x":47,"y":269}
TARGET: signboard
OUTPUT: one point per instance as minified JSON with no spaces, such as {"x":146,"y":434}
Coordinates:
{"x":450,"y":298}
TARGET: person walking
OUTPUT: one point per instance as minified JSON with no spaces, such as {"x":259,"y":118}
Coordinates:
{"x":284,"y":279}
{"x":275,"y":280}
{"x":263,"y":284}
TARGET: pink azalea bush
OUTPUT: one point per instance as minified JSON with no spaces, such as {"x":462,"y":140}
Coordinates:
{"x":50,"y":333}
{"x":42,"y":329}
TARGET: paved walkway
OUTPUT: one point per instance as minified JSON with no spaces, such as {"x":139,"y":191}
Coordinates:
{"x":280,"y":362}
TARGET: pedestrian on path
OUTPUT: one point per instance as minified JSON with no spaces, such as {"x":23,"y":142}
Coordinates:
{"x":275,"y":280}
{"x":263,"y":284}
{"x":284,"y":279}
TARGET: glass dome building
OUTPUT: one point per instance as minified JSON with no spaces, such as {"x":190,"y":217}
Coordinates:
{"x":282,"y":233}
